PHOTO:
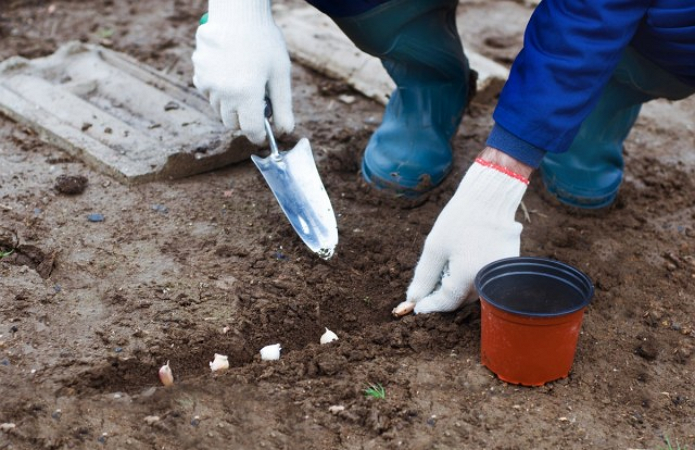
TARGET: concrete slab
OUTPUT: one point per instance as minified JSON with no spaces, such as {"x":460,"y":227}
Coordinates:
{"x":118,"y":115}
{"x":317,"y":42}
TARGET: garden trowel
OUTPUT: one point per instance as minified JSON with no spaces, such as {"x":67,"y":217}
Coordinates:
{"x":297,"y":186}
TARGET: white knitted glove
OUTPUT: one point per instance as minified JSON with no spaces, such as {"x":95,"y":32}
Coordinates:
{"x":241,"y":57}
{"x":475,"y":228}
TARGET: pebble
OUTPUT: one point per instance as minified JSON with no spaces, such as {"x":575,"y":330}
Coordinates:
{"x":347,"y":99}
{"x":160,"y":209}
{"x":70,"y":184}
{"x":335,"y":409}
{"x":151,"y":420}
{"x":7,"y":427}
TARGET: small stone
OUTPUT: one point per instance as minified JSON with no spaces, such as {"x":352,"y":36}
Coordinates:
{"x":95,"y":217}
{"x":149,"y":392}
{"x":160,"y":209}
{"x":172,"y":105}
{"x":647,"y":351}
{"x":335,"y":409}
{"x":70,"y":184}
{"x":151,"y":420}
{"x":195,"y":421}
{"x":347,"y":99}
{"x":7,"y":427}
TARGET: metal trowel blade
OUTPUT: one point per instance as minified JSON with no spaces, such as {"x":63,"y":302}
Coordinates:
{"x":296,"y":184}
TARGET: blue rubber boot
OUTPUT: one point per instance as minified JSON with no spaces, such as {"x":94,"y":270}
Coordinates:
{"x":418,"y":44}
{"x":589,"y":174}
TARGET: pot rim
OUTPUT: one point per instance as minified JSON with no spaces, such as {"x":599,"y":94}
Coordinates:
{"x":570,"y":275}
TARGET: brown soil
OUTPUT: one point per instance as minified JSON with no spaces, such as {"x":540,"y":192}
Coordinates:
{"x":180,"y":270}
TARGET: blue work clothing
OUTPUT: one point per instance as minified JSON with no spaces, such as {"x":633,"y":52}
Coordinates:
{"x":571,"y":50}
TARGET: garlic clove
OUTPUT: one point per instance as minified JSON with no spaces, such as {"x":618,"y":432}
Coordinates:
{"x":166,"y":376}
{"x":328,"y":336}
{"x":403,"y":309}
{"x":270,"y":352}
{"x":221,"y":362}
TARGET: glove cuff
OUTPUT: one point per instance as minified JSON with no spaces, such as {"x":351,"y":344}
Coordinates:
{"x":255,"y":12}
{"x":497,"y":190}
{"x":502,"y":169}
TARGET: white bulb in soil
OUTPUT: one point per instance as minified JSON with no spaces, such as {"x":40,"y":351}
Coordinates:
{"x":221,"y":362}
{"x":166,"y":376}
{"x":403,"y":308}
{"x":270,"y":352}
{"x":328,"y":336}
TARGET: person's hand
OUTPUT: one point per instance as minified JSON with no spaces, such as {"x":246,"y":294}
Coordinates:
{"x":475,"y":228}
{"x":240,"y":58}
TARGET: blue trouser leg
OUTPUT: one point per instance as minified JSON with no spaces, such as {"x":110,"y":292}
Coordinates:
{"x":418,"y":44}
{"x":589,"y":174}
{"x":345,"y":8}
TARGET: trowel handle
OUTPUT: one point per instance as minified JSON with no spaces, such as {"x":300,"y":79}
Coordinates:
{"x":274,"y":152}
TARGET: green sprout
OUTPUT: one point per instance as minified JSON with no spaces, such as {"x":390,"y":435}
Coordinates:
{"x":671,"y":447}
{"x":106,"y":33}
{"x":7,"y":253}
{"x":375,"y":391}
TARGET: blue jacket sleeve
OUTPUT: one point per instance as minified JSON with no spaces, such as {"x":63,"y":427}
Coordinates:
{"x":571,"y":48}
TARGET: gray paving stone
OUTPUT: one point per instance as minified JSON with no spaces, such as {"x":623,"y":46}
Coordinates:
{"x":316,"y":41}
{"x":118,"y":115}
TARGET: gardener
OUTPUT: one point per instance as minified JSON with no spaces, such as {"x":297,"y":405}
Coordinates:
{"x":573,"y":95}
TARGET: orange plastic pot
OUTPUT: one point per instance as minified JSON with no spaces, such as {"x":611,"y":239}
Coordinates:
{"x":531,"y":313}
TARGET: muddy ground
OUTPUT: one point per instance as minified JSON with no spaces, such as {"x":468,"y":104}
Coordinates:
{"x":180,"y":270}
